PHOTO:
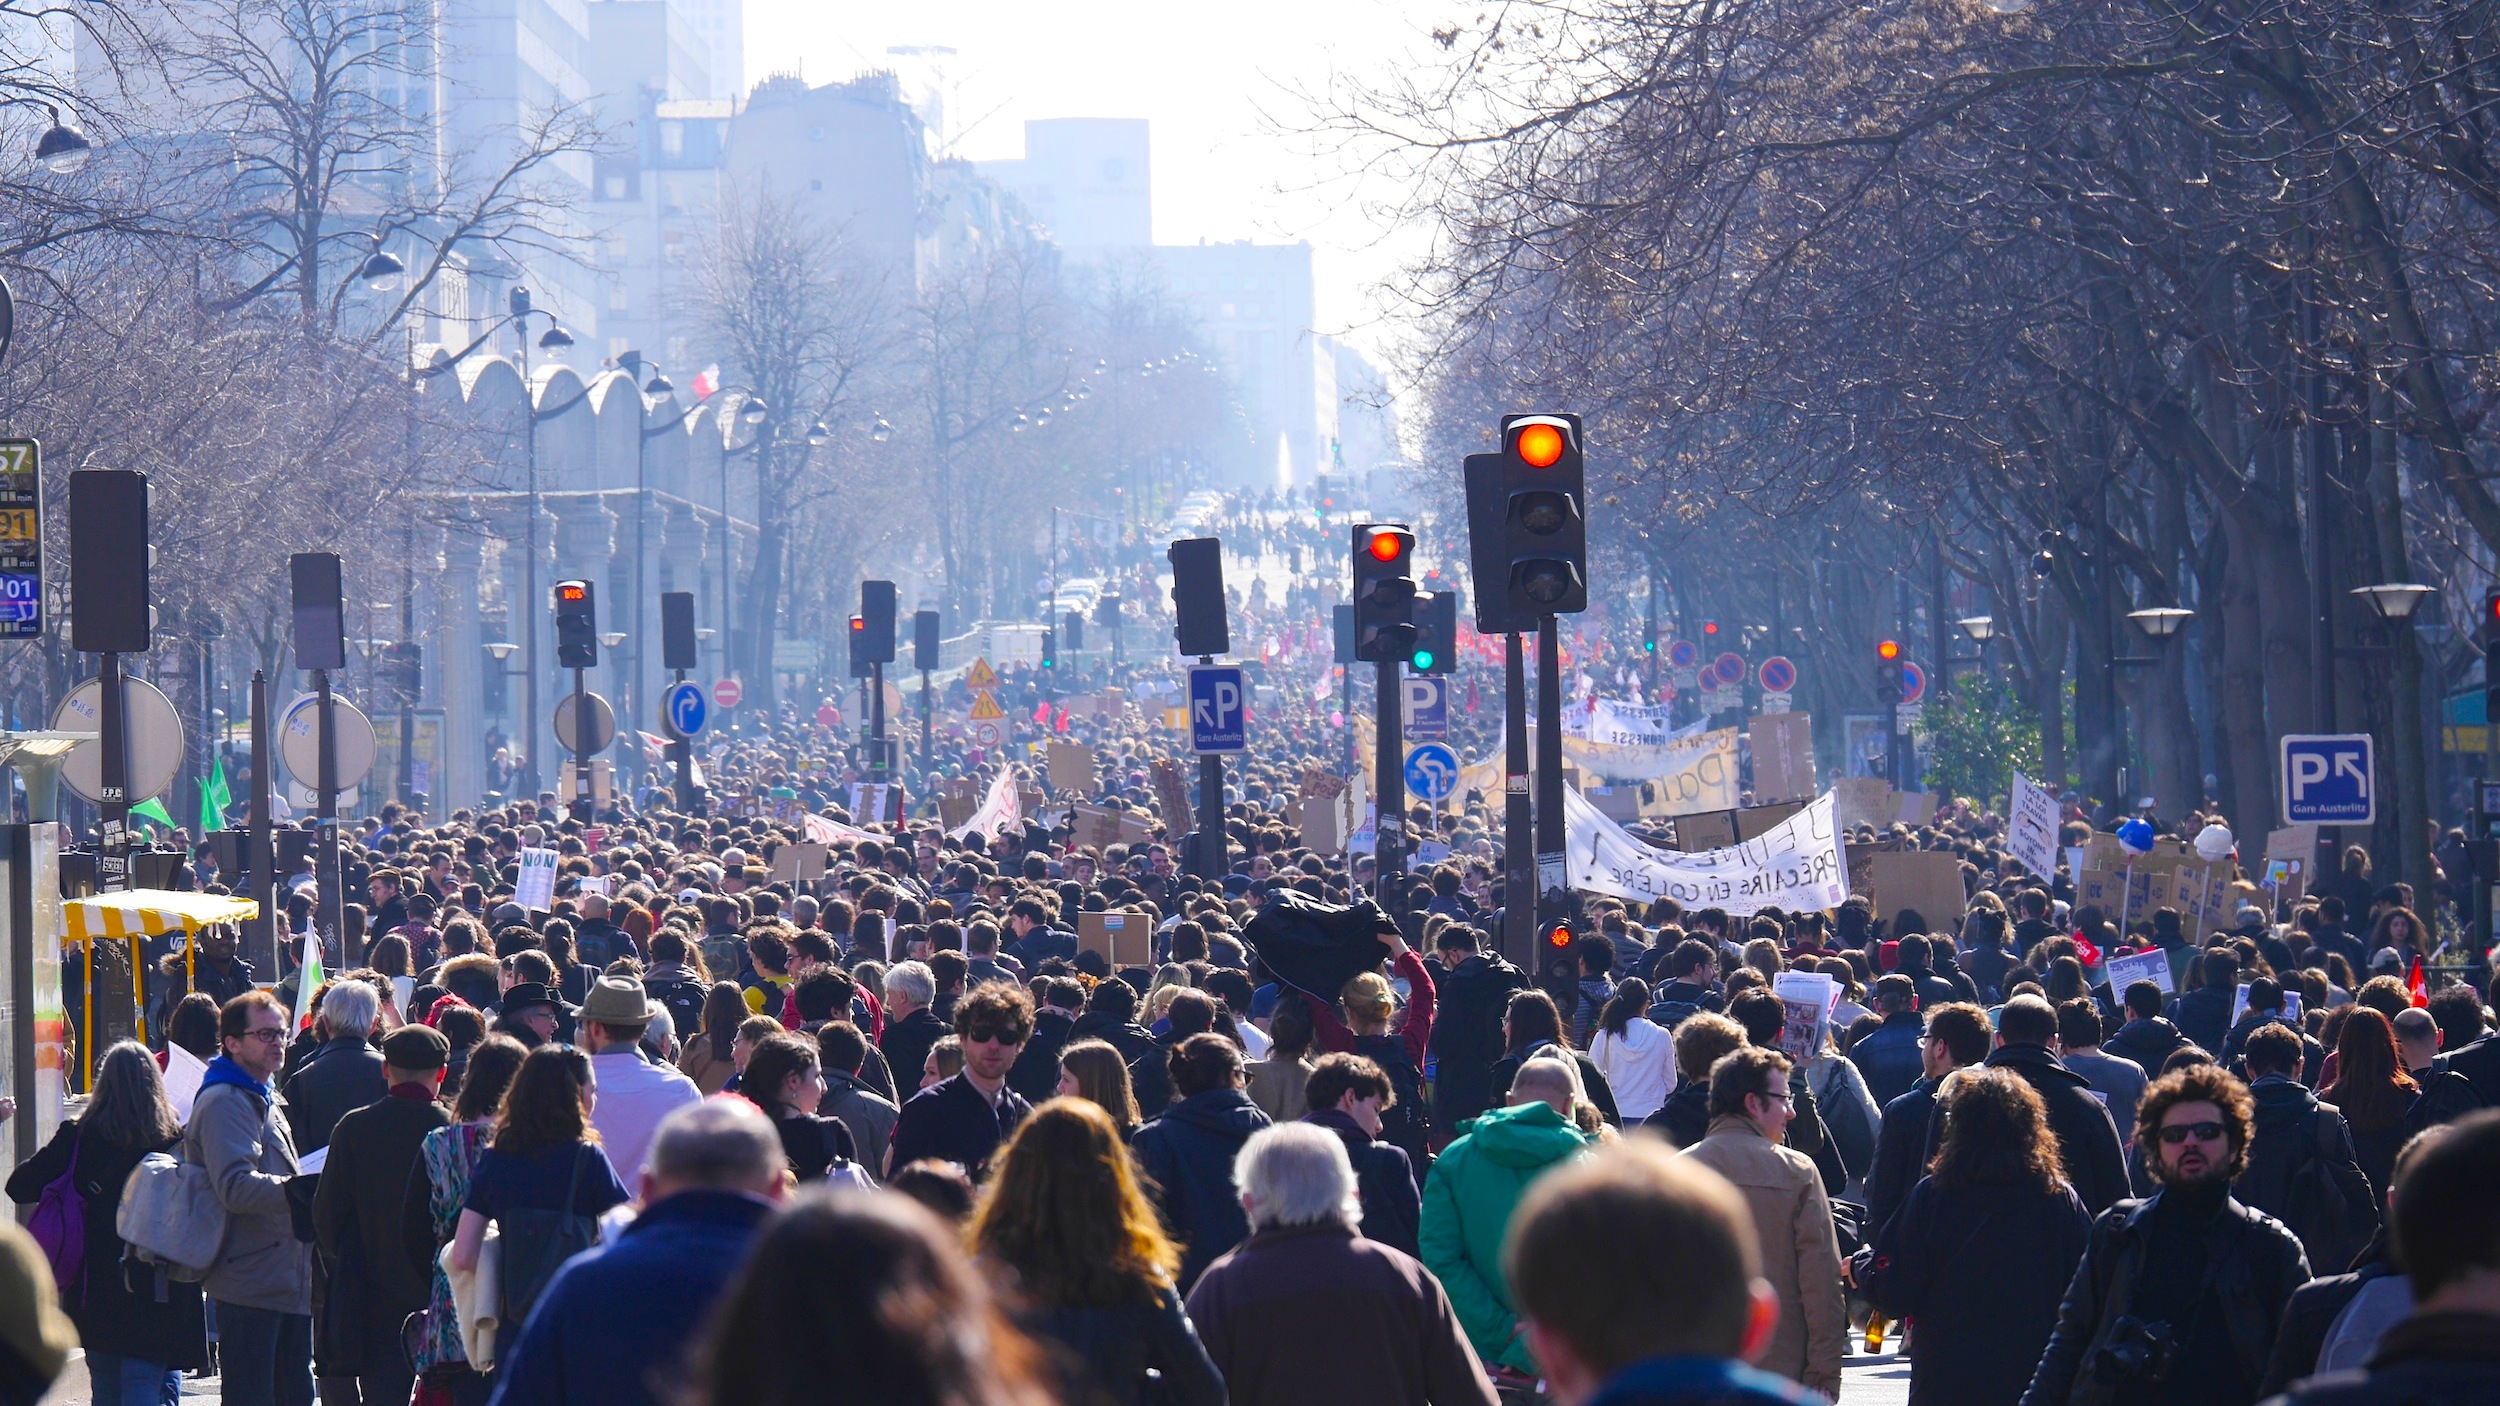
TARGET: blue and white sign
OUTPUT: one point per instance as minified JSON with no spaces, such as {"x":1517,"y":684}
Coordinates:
{"x":1431,"y":772}
{"x":2328,"y":781}
{"x":685,"y":708}
{"x":1219,"y":709}
{"x":1427,"y":708}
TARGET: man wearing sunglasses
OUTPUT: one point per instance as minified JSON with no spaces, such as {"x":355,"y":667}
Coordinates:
{"x":964,"y":1119}
{"x":2179,"y":1294}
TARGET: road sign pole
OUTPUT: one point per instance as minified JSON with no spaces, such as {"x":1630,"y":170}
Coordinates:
{"x":1518,"y":939}
{"x":263,"y":887}
{"x":681,"y":753}
{"x":1389,"y":773}
{"x":113,"y":718}
{"x":1213,"y":851}
{"x":877,"y":765}
{"x":326,"y":806}
{"x":583,"y":730}
{"x":928,"y":722}
{"x":1552,"y":890}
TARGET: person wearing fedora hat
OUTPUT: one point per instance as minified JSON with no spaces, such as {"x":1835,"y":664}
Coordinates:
{"x":530,"y":1012}
{"x":634,"y":1092}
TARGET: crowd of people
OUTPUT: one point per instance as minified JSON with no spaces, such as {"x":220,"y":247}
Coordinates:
{"x":694,"y":1134}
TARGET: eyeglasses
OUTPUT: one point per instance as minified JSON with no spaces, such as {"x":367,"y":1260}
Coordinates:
{"x":2175,"y":1134}
{"x":275,"y":1034}
{"x":986,"y":1033}
{"x":1783,"y":1096}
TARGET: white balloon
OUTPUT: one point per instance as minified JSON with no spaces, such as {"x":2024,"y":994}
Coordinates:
{"x":2214,"y":843}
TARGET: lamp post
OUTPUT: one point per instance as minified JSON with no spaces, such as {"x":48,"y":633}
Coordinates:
{"x":554,"y":339}
{"x":753,"y":412}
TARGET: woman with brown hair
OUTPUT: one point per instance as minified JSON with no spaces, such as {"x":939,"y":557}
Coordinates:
{"x":1994,"y":1199}
{"x":785,"y":1077}
{"x":1077,"y":1247}
{"x":430,"y":1213}
{"x":707,"y":1058}
{"x":544,"y":1181}
{"x":2372,"y":1091}
{"x":1093,"y":1069}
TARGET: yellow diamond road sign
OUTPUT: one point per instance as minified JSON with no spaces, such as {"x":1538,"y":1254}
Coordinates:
{"x":981,"y":677}
{"x":985,"y":707}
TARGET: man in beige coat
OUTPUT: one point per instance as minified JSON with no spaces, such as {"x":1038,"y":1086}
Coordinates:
{"x":1749,"y":1112}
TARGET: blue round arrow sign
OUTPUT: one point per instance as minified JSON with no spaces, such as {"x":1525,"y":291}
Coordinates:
{"x":686,"y":707}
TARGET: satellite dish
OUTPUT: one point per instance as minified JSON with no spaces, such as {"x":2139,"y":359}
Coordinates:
{"x":150,"y":722}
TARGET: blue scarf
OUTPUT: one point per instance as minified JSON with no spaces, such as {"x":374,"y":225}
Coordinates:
{"x":223,"y":1070}
{"x":1710,"y":1379}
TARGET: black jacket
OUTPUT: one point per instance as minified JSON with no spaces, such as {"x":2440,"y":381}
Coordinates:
{"x":1685,"y":1116}
{"x":1188,"y":1155}
{"x":1106,"y":1353}
{"x":954,"y":1122}
{"x":343,"y":1076}
{"x":117,"y":1311}
{"x":2147,"y":1042}
{"x":1467,"y":1035}
{"x":1888,"y":1056}
{"x":2301,"y":1171}
{"x":2087,"y":1140}
{"x":2479,"y":1062}
{"x":1035,"y":1073}
{"x":2254,"y":1272}
{"x":2204,"y":1016}
{"x":1944,"y":1260}
{"x":1900,"y":1153}
{"x":906,"y":1045}
{"x":816,"y":1143}
{"x":1150,"y":1076}
{"x":2430,"y":1359}
{"x":2311,"y":1315}
{"x":1393,"y":1206}
{"x":1120,"y":1033}
{"x":374,"y":1284}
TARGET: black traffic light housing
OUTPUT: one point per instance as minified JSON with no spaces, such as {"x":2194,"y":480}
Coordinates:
{"x":577,"y":626}
{"x":1384,"y":591}
{"x":677,"y":641}
{"x":924,"y":640}
{"x":2491,"y":659}
{"x":1073,"y":621}
{"x":1199,"y":623}
{"x":1050,"y":648}
{"x":108,"y":564}
{"x":1888,"y":677}
{"x":877,"y":606}
{"x":1436,"y":634}
{"x":1107,"y":610}
{"x":1542,"y":567}
{"x":858,"y":633}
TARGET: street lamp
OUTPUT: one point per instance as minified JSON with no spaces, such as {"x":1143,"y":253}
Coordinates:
{"x":611,"y":638}
{"x":1980,"y":628}
{"x":2394,"y":601}
{"x":382,"y":272}
{"x":2161,"y":622}
{"x":62,"y":149}
{"x":500,"y":650}
{"x":881,"y":431}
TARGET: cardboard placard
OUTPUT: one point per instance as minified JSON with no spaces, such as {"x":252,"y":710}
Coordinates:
{"x":1323,"y":828}
{"x":1172,"y":796}
{"x":1753,"y":820}
{"x":2292,"y":842}
{"x":2153,"y":966}
{"x":1071,"y":767}
{"x":2105,"y":889}
{"x":535,"y":890}
{"x":1321,"y":785}
{"x":1929,"y":881}
{"x":1862,"y":800}
{"x":799,"y":863}
{"x":954,"y":812}
{"x":1914,"y":808}
{"x":1123,"y":939}
{"x":1783,"y":757}
{"x":1617,"y":802}
{"x":1714,"y":829}
{"x":1094,"y":827}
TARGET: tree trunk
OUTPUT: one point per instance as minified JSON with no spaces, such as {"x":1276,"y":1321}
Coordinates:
{"x":2241,"y":694}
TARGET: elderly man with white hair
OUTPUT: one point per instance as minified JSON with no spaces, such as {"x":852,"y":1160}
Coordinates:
{"x":344,"y":1074}
{"x":1391,"y":1335}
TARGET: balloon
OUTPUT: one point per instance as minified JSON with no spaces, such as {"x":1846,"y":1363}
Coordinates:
{"x":2214,"y":843}
{"x":2137,"y":836}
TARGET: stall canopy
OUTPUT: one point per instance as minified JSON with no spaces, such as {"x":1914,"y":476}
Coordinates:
{"x":132,"y":917}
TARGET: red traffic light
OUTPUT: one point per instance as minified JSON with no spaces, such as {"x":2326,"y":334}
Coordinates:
{"x":572,"y":593}
{"x":2491,"y":609}
{"x":859,"y":624}
{"x":1538,"y":444}
{"x":1386,"y":546}
{"x":1888,"y":650}
{"x":1559,"y":935}
{"x":1709,"y":627}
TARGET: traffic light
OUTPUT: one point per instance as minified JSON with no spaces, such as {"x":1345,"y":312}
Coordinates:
{"x":313,"y":579}
{"x":108,"y":568}
{"x":1544,"y":517}
{"x":1199,"y":625}
{"x":1107,"y":610}
{"x":1384,"y":592}
{"x":876,"y":615}
{"x":1074,"y":623}
{"x":859,"y":646}
{"x":677,"y":642}
{"x":577,"y":626}
{"x":1436,"y":634}
{"x":1888,"y":673}
{"x":1050,"y":648}
{"x":924,"y":641}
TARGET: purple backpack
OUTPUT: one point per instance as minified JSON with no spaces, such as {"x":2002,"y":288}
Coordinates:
{"x":59,"y":1226}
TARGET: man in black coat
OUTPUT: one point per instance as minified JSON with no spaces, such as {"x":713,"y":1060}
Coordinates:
{"x":1188,"y":1152}
{"x":963,"y":1119}
{"x":1036,"y":1072}
{"x":1111,"y":1017}
{"x":1888,"y":1056}
{"x":1347,"y":1093}
{"x":2148,"y":1037}
{"x":2301,"y":1168}
{"x":345,"y":1074}
{"x":1957,"y":1037}
{"x":2204,"y":1014}
{"x":912,"y":1028}
{"x":1473,"y":991}
{"x":1190,"y":1013}
{"x":2087,"y":1139}
{"x":374,"y":1283}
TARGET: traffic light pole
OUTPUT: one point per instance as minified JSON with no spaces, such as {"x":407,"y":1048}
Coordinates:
{"x":1213,"y":851}
{"x":582,"y":733}
{"x":1518,"y":937}
{"x":1389,"y":774}
{"x":877,"y":766}
{"x":113,"y":731}
{"x":263,"y":862}
{"x":1552,"y":889}
{"x":326,"y":806}
{"x":681,"y":752}
{"x":928,"y":714}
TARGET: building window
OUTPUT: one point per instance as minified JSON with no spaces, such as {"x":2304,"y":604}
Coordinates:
{"x":615,"y":188}
{"x":672,"y":139}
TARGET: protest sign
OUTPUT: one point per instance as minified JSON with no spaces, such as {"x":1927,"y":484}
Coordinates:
{"x":2153,"y":966}
{"x":1807,"y":997}
{"x":1712,"y":830}
{"x":1616,"y":802}
{"x":1123,"y":939}
{"x":1071,"y":767}
{"x":1172,"y":798}
{"x":1095,"y":827}
{"x":2031,"y":827}
{"x":1862,"y":800}
{"x":1322,"y":829}
{"x":1783,"y":757}
{"x":1754,"y":820}
{"x":1795,"y":865}
{"x":1622,"y":724}
{"x":798,"y":864}
{"x":1928,"y":882}
{"x":536,"y":889}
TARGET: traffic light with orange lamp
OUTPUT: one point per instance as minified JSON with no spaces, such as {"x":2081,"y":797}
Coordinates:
{"x":859,"y":646}
{"x":1544,"y":517}
{"x":577,"y":626}
{"x":1384,"y":592}
{"x":1888,"y":672}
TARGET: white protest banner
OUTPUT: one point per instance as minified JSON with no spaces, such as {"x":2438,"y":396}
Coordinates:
{"x":536,"y":890}
{"x":1625,"y":724}
{"x":2031,"y":827}
{"x":2153,"y":966}
{"x":821,"y":830}
{"x":1796,"y":864}
{"x":1001,"y":810}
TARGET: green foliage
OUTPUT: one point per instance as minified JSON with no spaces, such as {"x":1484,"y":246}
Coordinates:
{"x":1980,"y":737}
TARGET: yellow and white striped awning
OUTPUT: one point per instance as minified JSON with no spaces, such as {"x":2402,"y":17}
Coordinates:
{"x":150,"y":913}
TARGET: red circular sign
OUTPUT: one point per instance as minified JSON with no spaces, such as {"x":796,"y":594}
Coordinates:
{"x":1777,"y":674}
{"x":728,"y":692}
{"x":827,"y":718}
{"x":1730,"y":668}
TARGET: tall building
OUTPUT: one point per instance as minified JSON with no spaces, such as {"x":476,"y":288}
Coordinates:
{"x":655,"y":191}
{"x":1084,"y":181}
{"x":851,"y":154}
{"x":721,"y":24}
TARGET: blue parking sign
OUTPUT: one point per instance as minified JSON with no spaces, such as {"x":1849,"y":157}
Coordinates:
{"x":2328,"y":780}
{"x":1219,"y":709}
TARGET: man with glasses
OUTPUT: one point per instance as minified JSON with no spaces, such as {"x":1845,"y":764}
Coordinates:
{"x":262,"y":1280}
{"x":2179,"y":1294}
{"x":1750,"y":1107}
{"x":963,"y":1119}
{"x":1957,"y":1037}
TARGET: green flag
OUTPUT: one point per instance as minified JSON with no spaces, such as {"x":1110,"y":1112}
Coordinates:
{"x":214,"y":797}
{"x":153,"y":810}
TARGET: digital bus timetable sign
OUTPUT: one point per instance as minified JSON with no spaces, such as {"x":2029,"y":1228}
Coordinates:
{"x":21,"y":539}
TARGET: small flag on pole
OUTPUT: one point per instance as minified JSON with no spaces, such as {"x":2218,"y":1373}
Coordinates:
{"x":308,"y":979}
{"x":214,"y":798}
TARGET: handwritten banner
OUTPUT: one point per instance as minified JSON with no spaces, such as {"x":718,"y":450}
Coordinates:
{"x":1796,"y":864}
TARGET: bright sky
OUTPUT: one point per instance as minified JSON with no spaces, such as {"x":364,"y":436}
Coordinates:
{"x":1223,"y":85}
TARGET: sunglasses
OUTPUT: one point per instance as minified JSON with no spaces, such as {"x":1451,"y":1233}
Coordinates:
{"x":986,"y":1033}
{"x":2177,"y":1133}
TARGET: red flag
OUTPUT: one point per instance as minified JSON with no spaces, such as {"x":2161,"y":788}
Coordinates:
{"x":1060,"y":722}
{"x":2414,"y":987}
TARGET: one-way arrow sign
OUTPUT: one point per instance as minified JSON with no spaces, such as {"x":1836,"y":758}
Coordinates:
{"x":1219,"y":709}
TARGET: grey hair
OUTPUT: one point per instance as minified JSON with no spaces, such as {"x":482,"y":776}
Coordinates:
{"x":1296,"y":1174}
{"x":661,"y":1034}
{"x":350,"y":1008}
{"x":722,"y":1143}
{"x":912,"y":980}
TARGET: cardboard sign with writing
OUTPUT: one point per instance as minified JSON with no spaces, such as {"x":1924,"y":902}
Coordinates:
{"x":1715,"y":829}
{"x":1753,"y":820}
{"x":1095,"y":827}
{"x":1929,"y":881}
{"x":1617,"y":802}
{"x":955,"y":811}
{"x":802,"y":863}
{"x":1783,"y":757}
{"x":2105,"y":889}
{"x":1322,"y":785}
{"x":2292,"y":842}
{"x":2151,"y":966}
{"x":1134,"y":830}
{"x":1862,"y":800}
{"x":1071,"y":767}
{"x":1123,"y":939}
{"x":1172,"y":797}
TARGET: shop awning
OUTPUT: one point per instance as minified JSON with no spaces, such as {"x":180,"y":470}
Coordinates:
{"x":150,"y":913}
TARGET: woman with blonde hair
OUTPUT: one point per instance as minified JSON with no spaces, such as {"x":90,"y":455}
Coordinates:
{"x":1076,"y":1245}
{"x":1093,"y":1070}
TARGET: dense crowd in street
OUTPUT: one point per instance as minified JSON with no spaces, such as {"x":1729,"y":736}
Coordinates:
{"x":694,"y":1133}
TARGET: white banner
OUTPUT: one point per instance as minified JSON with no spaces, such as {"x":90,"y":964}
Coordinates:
{"x":1001,"y":810}
{"x":1694,"y":774}
{"x":2031,"y":827}
{"x":823,"y":830}
{"x":1796,"y":864}
{"x":536,"y":888}
{"x":1631,"y":724}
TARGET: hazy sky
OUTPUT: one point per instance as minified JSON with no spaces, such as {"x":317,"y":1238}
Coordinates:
{"x":1220,"y":83}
